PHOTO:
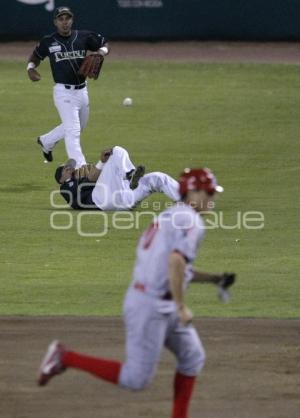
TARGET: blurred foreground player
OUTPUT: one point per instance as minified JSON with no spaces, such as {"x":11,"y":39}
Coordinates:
{"x":155,"y":312}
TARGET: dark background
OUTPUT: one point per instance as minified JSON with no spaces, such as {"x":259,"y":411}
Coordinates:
{"x":265,"y":20}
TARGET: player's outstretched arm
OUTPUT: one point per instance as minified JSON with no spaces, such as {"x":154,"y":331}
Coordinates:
{"x":222,"y":280}
{"x":218,"y":279}
{"x":176,"y":275}
{"x":203,"y":277}
{"x":33,"y":62}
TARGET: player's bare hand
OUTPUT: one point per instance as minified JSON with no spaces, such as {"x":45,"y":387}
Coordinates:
{"x":105,"y":155}
{"x":185,"y":314}
{"x":34,"y":75}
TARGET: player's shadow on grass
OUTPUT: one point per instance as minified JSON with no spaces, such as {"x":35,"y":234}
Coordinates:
{"x":21,"y":188}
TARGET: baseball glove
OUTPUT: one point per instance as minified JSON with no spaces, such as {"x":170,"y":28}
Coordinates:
{"x":91,"y":65}
{"x":87,"y":173}
{"x":82,"y":172}
{"x":227,"y":280}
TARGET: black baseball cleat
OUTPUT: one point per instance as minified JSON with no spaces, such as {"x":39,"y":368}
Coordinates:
{"x":47,"y":154}
{"x":136,"y":175}
{"x":129,"y":174}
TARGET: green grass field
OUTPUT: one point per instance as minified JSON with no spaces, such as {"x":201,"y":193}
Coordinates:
{"x":243,"y":121}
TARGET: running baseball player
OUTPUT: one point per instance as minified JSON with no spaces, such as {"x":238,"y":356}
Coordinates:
{"x":155,"y":312}
{"x":67,"y":50}
{"x":112,"y":184}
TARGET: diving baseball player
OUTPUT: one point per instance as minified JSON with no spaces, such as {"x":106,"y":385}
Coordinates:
{"x":112,"y":184}
{"x":67,"y":49}
{"x":155,"y":312}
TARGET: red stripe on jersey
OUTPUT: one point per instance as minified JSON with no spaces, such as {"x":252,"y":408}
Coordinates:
{"x":149,"y":235}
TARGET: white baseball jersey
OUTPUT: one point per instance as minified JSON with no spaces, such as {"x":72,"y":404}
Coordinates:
{"x":180,"y":229}
{"x":152,"y":321}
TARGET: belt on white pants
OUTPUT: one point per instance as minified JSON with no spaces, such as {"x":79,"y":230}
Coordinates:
{"x":74,"y":86}
{"x":142,"y":288}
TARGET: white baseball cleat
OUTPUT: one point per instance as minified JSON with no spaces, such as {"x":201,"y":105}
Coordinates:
{"x":52,"y":363}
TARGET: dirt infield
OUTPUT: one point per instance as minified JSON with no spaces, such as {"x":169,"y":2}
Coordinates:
{"x":252,"y":371}
{"x":189,"y":51}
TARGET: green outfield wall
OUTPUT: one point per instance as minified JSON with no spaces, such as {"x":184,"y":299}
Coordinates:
{"x":159,"y":19}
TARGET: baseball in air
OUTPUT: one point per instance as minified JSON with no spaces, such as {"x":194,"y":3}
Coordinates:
{"x":127,"y":101}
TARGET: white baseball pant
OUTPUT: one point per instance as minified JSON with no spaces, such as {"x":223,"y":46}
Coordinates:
{"x":73,"y":108}
{"x":112,"y":190}
{"x":151,"y":324}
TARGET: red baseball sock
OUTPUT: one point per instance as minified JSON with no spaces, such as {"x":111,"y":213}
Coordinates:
{"x":105,"y":369}
{"x":183,"y":388}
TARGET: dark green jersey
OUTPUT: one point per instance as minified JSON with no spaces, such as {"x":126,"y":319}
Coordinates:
{"x":67,"y":53}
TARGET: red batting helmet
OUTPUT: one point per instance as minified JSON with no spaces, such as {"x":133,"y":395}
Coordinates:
{"x":198,"y":179}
